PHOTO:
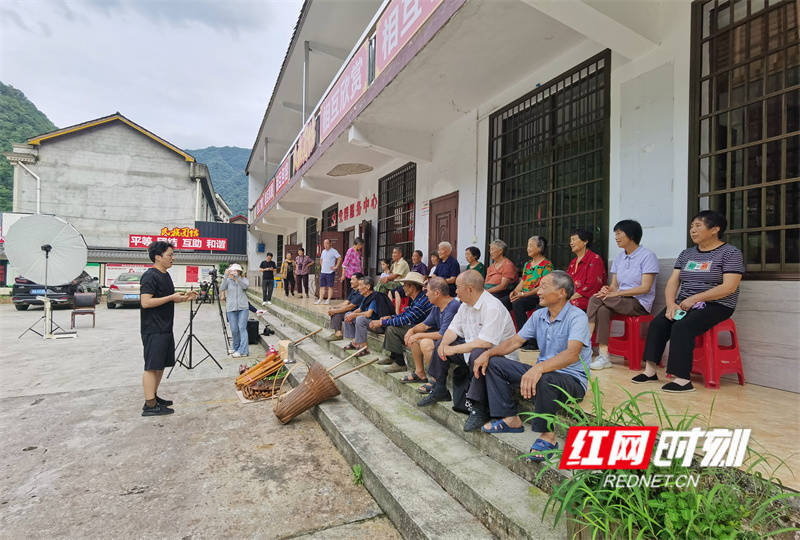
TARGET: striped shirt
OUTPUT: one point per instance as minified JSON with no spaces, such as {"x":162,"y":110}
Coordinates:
{"x":703,"y":270}
{"x":415,"y":313}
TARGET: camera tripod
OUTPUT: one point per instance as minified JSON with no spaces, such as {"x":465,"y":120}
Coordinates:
{"x":183,"y":351}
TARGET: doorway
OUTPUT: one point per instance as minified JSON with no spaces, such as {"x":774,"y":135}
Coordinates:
{"x":443,"y":221}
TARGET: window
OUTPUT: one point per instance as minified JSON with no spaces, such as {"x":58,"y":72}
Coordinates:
{"x":548,"y":163}
{"x":329,"y":218}
{"x":396,"y":193}
{"x":279,"y":255}
{"x":745,"y":133}
{"x":311,"y":237}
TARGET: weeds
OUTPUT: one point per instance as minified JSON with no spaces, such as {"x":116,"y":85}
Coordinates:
{"x":358,"y":478}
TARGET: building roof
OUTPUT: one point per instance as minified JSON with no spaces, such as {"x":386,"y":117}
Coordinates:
{"x":238,"y":217}
{"x":116,"y":117}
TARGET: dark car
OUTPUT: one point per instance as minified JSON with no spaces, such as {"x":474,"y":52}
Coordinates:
{"x":25,"y":291}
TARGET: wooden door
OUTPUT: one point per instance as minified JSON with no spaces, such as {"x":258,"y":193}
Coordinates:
{"x":443,"y":222}
{"x":365,"y":232}
{"x":338,"y":242}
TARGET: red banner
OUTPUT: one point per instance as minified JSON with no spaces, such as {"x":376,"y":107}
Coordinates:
{"x":205,"y":244}
{"x":192,"y":274}
{"x":351,"y":84}
{"x":397,"y":25}
{"x":264,"y":200}
{"x":282,"y":175}
{"x":305,"y":144}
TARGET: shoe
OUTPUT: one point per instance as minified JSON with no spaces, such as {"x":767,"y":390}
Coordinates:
{"x":676,"y":388}
{"x":319,"y":301}
{"x":433,"y":397}
{"x":259,"y":312}
{"x":385,"y":361}
{"x":264,"y":303}
{"x":642,"y":378}
{"x":236,"y":354}
{"x":156,"y":410}
{"x":394,"y":368}
{"x":477,"y":418}
{"x":500,"y":426}
{"x":333,"y":337}
{"x":601,"y":362}
{"x":327,"y":302}
{"x":165,"y":402}
{"x":269,"y":303}
{"x":540,"y":446}
{"x":299,"y":296}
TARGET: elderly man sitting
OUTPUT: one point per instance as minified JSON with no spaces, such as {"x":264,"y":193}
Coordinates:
{"x":482,"y":322}
{"x":397,"y":271}
{"x":565,"y":351}
{"x":396,"y":326}
{"x":422,"y":337}
{"x":357,"y":321}
{"x":352,"y":303}
{"x":447,"y":267}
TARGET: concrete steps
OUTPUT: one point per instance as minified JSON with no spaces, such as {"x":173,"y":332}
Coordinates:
{"x":482,"y":472}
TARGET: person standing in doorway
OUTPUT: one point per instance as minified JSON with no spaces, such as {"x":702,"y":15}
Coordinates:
{"x":330,"y":259}
{"x":237,"y":308}
{"x":353,"y":263}
{"x":303,"y":264}
{"x":287,"y":273}
{"x":267,"y":269}
{"x":156,"y":316}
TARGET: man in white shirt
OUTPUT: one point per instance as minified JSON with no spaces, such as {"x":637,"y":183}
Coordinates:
{"x":483,"y":322}
{"x":330,"y":259}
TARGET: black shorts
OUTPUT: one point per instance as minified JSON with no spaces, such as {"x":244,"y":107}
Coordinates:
{"x":159,"y":351}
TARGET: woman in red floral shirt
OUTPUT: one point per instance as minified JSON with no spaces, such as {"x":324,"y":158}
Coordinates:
{"x":587,"y":269}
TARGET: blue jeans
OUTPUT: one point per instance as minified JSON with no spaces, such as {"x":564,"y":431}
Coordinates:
{"x":238,"y":323}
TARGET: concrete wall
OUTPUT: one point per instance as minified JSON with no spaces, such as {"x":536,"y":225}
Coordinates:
{"x":110,"y":182}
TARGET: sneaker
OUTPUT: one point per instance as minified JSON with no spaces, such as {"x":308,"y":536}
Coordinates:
{"x":394,"y":368}
{"x":435,"y":395}
{"x":156,"y":410}
{"x":385,"y":361}
{"x":601,"y":362}
{"x":327,"y":302}
{"x":236,"y":354}
{"x":477,"y":418}
{"x":319,"y":301}
{"x":676,"y":388}
{"x":642,"y":378}
{"x":165,"y":402}
{"x":333,"y":337}
{"x":269,"y":303}
{"x":264,"y":303}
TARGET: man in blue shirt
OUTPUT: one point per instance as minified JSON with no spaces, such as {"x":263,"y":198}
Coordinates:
{"x":565,"y":352}
{"x":337,"y":313}
{"x":448,"y":267}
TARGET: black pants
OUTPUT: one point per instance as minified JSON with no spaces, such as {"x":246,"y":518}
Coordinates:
{"x":681,"y":335}
{"x":347,"y":288}
{"x":473,"y":389}
{"x":503,"y":373}
{"x":302,"y":281}
{"x":521,"y":307}
{"x":395,"y":344}
{"x":439,"y":370}
{"x":288,"y":283}
{"x":266,"y":288}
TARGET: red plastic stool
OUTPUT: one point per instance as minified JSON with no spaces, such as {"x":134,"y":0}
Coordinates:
{"x":713,"y":360}
{"x":629,"y":345}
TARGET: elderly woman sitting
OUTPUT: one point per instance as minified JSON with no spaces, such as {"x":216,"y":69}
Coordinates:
{"x":501,"y":274}
{"x":632,"y":289}
{"x":701,"y":292}
{"x":587,"y":269}
{"x":473,"y":255}
{"x":525,"y":295}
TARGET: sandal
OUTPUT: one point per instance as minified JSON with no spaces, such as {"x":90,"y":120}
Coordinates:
{"x":500,"y":426}
{"x":541,"y":450}
{"x":350,"y":347}
{"x":413,"y":377}
{"x":425,"y":388}
{"x":365,"y":352}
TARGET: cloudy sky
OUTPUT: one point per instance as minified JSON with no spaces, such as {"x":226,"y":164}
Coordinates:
{"x":196,"y":72}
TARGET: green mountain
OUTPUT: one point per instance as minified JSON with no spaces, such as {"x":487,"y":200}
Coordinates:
{"x":226,"y":165}
{"x":19,"y":120}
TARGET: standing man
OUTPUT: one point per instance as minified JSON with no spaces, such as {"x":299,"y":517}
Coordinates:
{"x":448,"y":267}
{"x":303,"y":264}
{"x":330,"y":259}
{"x":267,"y":269}
{"x":156,"y":316}
{"x":353,"y":263}
{"x":237,"y":308}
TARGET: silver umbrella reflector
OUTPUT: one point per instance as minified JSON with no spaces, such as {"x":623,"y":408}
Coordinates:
{"x":28,"y":239}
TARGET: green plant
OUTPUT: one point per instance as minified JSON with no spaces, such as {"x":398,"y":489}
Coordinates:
{"x":726,"y":503}
{"x":358,"y":477}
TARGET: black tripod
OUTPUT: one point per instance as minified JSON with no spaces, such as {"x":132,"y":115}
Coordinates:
{"x":215,"y":292}
{"x":183,"y":351}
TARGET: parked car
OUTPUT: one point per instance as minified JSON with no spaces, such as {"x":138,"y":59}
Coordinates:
{"x":25,"y":291}
{"x":125,"y":290}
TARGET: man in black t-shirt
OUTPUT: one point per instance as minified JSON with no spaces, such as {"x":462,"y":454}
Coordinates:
{"x":267,"y":269}
{"x":156,"y":315}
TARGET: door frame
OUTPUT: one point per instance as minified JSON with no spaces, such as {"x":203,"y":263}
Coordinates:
{"x":432,"y":222}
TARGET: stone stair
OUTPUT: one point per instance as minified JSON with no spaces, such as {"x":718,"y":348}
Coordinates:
{"x":482,"y":472}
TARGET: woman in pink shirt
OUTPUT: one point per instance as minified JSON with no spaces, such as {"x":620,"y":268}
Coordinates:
{"x":587,"y":269}
{"x":353,"y":264}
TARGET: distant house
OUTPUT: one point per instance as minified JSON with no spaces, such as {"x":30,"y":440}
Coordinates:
{"x":112,"y":179}
{"x":238,"y":218}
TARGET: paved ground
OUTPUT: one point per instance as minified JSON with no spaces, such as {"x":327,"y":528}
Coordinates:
{"x":79,"y":461}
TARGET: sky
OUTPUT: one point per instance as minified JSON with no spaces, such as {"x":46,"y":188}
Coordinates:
{"x":196,"y":72}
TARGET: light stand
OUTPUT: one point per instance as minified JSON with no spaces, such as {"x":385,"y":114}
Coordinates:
{"x":48,"y":309}
{"x":183,"y":351}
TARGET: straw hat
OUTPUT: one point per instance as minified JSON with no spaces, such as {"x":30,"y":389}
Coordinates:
{"x":235,"y":266}
{"x":413,"y":277}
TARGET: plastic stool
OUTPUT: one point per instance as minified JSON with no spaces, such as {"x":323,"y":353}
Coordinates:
{"x":629,"y":345}
{"x":713,"y":360}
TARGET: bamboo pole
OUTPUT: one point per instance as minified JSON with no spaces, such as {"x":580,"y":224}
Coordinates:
{"x":346,"y":359}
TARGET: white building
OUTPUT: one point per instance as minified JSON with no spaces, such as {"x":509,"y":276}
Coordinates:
{"x":481,"y":119}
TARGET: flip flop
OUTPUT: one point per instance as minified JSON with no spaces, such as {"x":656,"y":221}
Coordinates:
{"x":500,"y":426}
{"x":425,"y":388}
{"x":413,"y":378}
{"x":541,"y":446}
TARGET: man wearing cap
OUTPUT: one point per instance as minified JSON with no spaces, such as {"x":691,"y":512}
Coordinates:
{"x":396,"y":326}
{"x":237,"y":307}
